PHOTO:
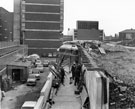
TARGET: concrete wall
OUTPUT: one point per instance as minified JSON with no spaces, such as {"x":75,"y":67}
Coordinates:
{"x":44,"y":94}
{"x":41,"y":35}
{"x":42,"y":44}
{"x":95,"y":87}
{"x":12,"y":56}
{"x":85,"y":34}
{"x":6,"y":44}
{"x":92,"y":83}
{"x":23,"y":74}
{"x":42,"y":47}
{"x":6,"y":25}
{"x":41,"y":8}
{"x":44,"y":1}
{"x":42,"y":26}
{"x":67,"y":38}
{"x":16,"y":21}
{"x":42,"y":19}
{"x":87,"y":25}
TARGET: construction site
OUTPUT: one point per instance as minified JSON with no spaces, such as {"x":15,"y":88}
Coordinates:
{"x":119,"y":62}
{"x":32,"y":38}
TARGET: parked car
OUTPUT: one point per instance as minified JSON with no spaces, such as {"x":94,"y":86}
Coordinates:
{"x":38,"y":62}
{"x":36,"y":56}
{"x":40,"y":68}
{"x":31,"y":81}
{"x":45,"y":63}
{"x":36,"y":72}
{"x":37,"y":75}
{"x":29,"y":105}
{"x":50,"y":55}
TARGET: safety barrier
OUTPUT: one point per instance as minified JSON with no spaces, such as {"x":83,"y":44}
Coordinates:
{"x":44,"y":94}
{"x":98,"y":89}
{"x":45,"y":90}
{"x":40,"y":103}
{"x":97,"y":84}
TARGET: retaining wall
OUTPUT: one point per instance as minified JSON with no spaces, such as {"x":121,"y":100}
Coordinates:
{"x":45,"y":92}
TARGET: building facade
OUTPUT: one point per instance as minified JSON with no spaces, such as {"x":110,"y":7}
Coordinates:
{"x":73,"y":33}
{"x":88,"y":30}
{"x":85,"y":34}
{"x":87,"y":25}
{"x":6,"y":25}
{"x":42,"y":25}
{"x":128,"y":34}
{"x":67,"y":38}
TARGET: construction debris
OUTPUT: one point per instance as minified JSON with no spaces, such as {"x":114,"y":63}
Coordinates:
{"x":119,"y":62}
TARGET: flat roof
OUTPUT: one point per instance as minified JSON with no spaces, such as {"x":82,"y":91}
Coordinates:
{"x":20,"y":63}
{"x":128,"y":31}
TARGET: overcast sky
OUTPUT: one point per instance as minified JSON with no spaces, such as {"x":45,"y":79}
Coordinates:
{"x":113,"y":15}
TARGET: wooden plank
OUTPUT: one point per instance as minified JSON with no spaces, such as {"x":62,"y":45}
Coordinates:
{"x":102,"y":51}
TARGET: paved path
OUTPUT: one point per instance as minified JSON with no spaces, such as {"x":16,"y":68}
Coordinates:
{"x":65,"y":98}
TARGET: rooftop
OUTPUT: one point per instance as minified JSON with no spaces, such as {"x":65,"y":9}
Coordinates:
{"x":128,"y":31}
{"x":20,"y":63}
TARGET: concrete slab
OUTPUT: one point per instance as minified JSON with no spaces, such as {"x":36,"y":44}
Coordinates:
{"x":65,"y":98}
{"x":66,"y":105}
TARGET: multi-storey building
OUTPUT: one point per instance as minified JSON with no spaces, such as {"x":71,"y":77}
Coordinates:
{"x":88,"y":30}
{"x":6,"y":25}
{"x":41,"y":24}
{"x":73,"y":33}
{"x":87,"y":25}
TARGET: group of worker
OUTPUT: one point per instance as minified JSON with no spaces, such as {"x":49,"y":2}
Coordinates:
{"x":62,"y":73}
{"x":76,"y":73}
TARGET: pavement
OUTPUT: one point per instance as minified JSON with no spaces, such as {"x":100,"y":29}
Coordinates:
{"x":65,"y":98}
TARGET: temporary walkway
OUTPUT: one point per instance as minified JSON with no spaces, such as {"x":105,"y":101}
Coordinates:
{"x":65,"y":98}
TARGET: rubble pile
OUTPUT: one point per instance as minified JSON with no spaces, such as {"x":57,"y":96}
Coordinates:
{"x":119,"y":62}
{"x":121,"y":95}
